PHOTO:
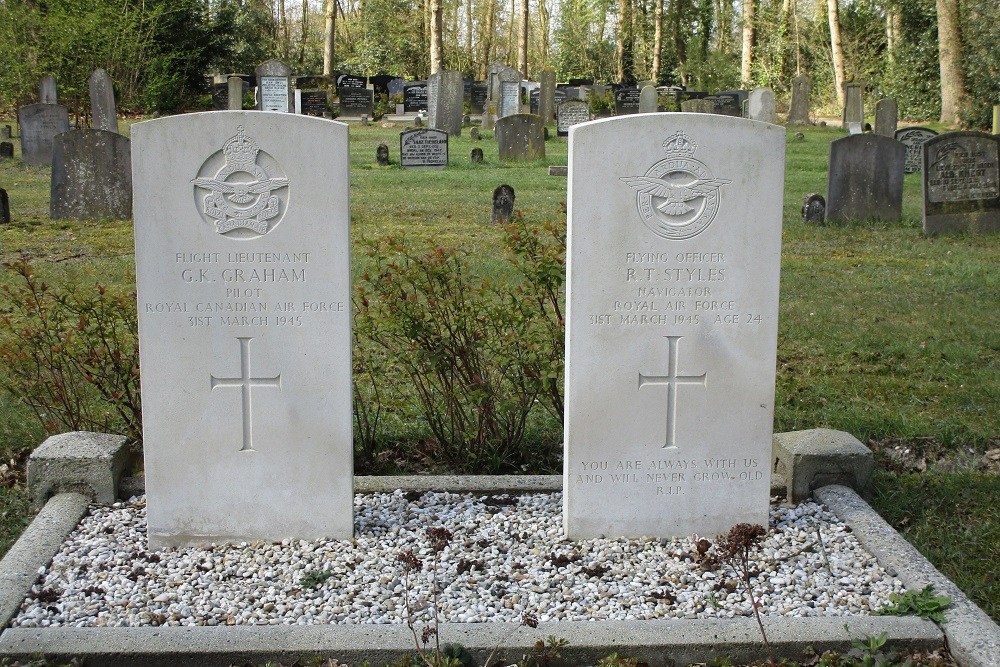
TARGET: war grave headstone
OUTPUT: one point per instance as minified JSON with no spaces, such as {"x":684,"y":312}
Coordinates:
{"x":798,"y":110}
{"x":356,"y":102}
{"x":315,"y":102}
{"x":672,"y":309}
{"x":91,"y":176}
{"x":854,"y":106}
{"x":48,"y":91}
{"x":234,"y":94}
{"x":104,"y":113}
{"x":415,"y":96}
{"x":274,"y":82}
{"x":520,"y":137}
{"x":886,"y":117}
{"x":445,"y":102}
{"x":503,"y":204}
{"x":6,"y":150}
{"x":477,"y":97}
{"x":425,"y":147}
{"x":547,"y":96}
{"x":626,"y":100}
{"x":40,"y":123}
{"x":913,"y":138}
{"x":243,"y":280}
{"x":961,"y":183}
{"x":648,"y":100}
{"x":865,"y":179}
{"x":761,"y":105}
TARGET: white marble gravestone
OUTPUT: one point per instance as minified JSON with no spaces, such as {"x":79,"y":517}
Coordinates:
{"x":274,"y":83}
{"x":243,"y":278}
{"x":674,"y":252}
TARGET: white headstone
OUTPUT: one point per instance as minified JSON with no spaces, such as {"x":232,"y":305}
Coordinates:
{"x":761,"y":105}
{"x":243,"y":279}
{"x":674,"y":254}
{"x":274,"y":85}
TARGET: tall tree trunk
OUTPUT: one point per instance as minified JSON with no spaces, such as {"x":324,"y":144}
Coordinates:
{"x":657,"y":39}
{"x":623,"y":54}
{"x":490,"y":9}
{"x":284,"y":43}
{"x":329,"y":27}
{"x":437,"y":35}
{"x":305,"y":32}
{"x":679,"y":36}
{"x":544,"y":21}
{"x":509,"y":58}
{"x":522,"y":39}
{"x":468,"y":33}
{"x":749,"y":35}
{"x":950,"y":59}
{"x":893,"y":30}
{"x":836,"y":48}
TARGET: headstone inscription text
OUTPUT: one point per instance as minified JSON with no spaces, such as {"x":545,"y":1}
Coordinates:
{"x":913,"y":138}
{"x":962,"y":183}
{"x":423,"y":148}
{"x":243,"y":281}
{"x":672,"y":295}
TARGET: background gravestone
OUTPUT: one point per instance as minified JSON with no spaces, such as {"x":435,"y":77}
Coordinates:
{"x":243,"y":284}
{"x":814,"y":208}
{"x":570,"y":113}
{"x":6,"y":150}
{"x":415,"y":96}
{"x":854,"y":106}
{"x":672,"y":299}
{"x":275,"y":84}
{"x":547,"y":96}
{"x":315,"y":102}
{"x":886,"y":117}
{"x":445,"y":102}
{"x":626,"y":100}
{"x":104,"y":113}
{"x":520,"y":137}
{"x":91,"y":176}
{"x":234,"y":93}
{"x":4,"y":207}
{"x":760,"y":105}
{"x":913,"y":138}
{"x":356,"y":102}
{"x":5,"y":131}
{"x":47,"y":91}
{"x":382,"y":155}
{"x":798,"y":111}
{"x":503,"y":204}
{"x":962,"y":183}
{"x":425,"y":147}
{"x":477,"y":97}
{"x":40,"y":123}
{"x":476,"y":156}
{"x":730,"y":102}
{"x":648,"y":100}
{"x":865,"y":179}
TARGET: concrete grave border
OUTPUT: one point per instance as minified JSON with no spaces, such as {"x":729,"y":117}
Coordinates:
{"x":972,"y":637}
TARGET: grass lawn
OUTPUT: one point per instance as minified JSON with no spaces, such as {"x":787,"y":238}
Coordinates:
{"x":884,"y":333}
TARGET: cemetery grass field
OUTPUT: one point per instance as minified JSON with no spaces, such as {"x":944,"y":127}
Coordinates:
{"x":884,"y":333}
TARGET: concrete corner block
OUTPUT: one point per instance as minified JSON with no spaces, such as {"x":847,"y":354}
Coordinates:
{"x":78,"y":461}
{"x":818,"y":457}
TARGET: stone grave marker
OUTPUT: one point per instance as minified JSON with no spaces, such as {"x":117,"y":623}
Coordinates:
{"x":510,"y":98}
{"x":760,"y":105}
{"x":962,"y":183}
{"x":886,"y":117}
{"x":382,"y":155}
{"x":445,"y":102}
{"x":243,"y":281}
{"x":234,"y":93}
{"x":48,"y":91}
{"x":40,"y":123}
{"x":814,"y":208}
{"x":415,"y":96}
{"x":547,"y":96}
{"x":672,"y":312}
{"x":275,"y":87}
{"x":570,"y":113}
{"x":476,"y":156}
{"x":6,"y":150}
{"x":729,"y":103}
{"x":315,"y":102}
{"x":913,"y":138}
{"x":474,"y":133}
{"x":356,"y":102}
{"x":854,"y":106}
{"x":700,"y":105}
{"x":91,"y":176}
{"x":626,"y":100}
{"x":104,"y":113}
{"x":798,"y":111}
{"x":351,"y":81}
{"x":865,"y":179}
{"x":4,"y":207}
{"x":520,"y":137}
{"x":477,"y":97}
{"x":648,"y":100}
{"x":495,"y":75}
{"x":5,"y":131}
{"x":503,"y":204}
{"x":424,"y":147}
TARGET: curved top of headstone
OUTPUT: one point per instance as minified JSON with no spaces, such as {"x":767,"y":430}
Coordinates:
{"x":273,"y":67}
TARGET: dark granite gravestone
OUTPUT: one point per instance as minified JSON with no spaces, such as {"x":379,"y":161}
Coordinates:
{"x":626,"y":100}
{"x":104,"y":113}
{"x":886,"y":117}
{"x":503,"y":204}
{"x":534,"y":96}
{"x":423,"y":148}
{"x":382,"y":155}
{"x":91,"y":175}
{"x":40,"y":123}
{"x":520,"y":137}
{"x":729,"y":103}
{"x":913,"y":138}
{"x":445,"y":102}
{"x":356,"y":102}
{"x":854,"y":105}
{"x":380,"y":82}
{"x":474,"y":133}
{"x":476,"y":156}
{"x":6,"y":150}
{"x":865,"y":178}
{"x":477,"y":97}
{"x":274,"y":83}
{"x":962,"y":183}
{"x":351,"y":81}
{"x":314,"y":102}
{"x":814,"y":208}
{"x":570,"y":113}
{"x":415,"y":96}
{"x":798,"y":111}
{"x":4,"y":207}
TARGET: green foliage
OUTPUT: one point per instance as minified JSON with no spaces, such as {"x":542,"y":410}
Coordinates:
{"x":545,"y":653}
{"x":601,"y":104}
{"x":385,"y":37}
{"x":314,"y":579}
{"x":913,"y":76}
{"x":615,"y":660}
{"x":982,"y":61}
{"x":923,"y":603}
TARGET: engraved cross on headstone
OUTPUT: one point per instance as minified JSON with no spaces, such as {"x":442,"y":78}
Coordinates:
{"x":671,"y":379}
{"x":246,"y":383}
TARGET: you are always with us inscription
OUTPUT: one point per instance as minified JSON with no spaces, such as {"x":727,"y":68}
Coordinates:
{"x":672,"y":307}
{"x":243,"y":279}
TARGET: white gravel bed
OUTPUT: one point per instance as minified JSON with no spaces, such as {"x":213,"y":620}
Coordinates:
{"x":506,"y":556}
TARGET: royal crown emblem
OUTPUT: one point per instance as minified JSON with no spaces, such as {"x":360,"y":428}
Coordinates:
{"x":678,"y":197}
{"x":241,"y":194}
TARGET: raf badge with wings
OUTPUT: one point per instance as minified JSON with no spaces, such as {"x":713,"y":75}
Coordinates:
{"x":677,"y":197}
